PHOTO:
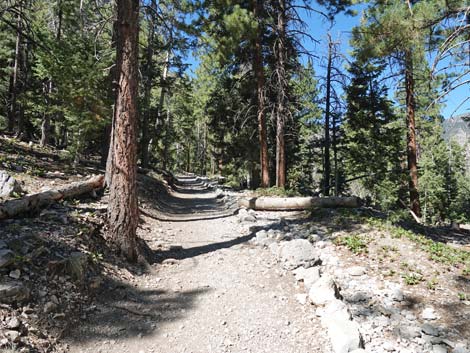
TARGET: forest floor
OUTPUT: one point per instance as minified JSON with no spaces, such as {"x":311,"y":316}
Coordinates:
{"x":204,"y":284}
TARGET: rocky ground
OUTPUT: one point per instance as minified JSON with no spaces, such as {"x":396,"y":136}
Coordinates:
{"x":216,"y":279}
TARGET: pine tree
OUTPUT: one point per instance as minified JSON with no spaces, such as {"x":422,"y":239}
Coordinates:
{"x":123,"y":213}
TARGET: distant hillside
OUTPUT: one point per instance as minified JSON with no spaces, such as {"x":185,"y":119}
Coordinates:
{"x":458,"y":129}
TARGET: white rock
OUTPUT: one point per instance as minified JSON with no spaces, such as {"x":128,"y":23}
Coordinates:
{"x":439,"y":348}
{"x":15,"y":274}
{"x":301,"y":298}
{"x":429,"y":314}
{"x":298,"y":252}
{"x":357,"y":271}
{"x":323,"y":291}
{"x":343,"y":332}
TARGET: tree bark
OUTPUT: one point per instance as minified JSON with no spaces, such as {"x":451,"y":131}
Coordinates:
{"x":260,"y":87}
{"x":411,"y":135}
{"x":326,"y":159}
{"x":281,"y":104}
{"x":123,"y":212}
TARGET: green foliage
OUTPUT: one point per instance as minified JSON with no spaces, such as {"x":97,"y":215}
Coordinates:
{"x":355,"y":243}
{"x":412,"y":278}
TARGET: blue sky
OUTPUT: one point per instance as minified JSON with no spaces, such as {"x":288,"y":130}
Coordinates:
{"x":318,"y":27}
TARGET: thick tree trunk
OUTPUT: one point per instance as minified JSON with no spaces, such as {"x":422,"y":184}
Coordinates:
{"x":123,"y":212}
{"x":281,"y":104}
{"x":326,"y":158}
{"x":297,"y":203}
{"x":411,"y":135}
{"x":260,"y":87}
{"x":35,"y":202}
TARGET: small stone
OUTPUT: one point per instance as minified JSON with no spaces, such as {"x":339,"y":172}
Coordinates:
{"x":439,"y":348}
{"x":301,"y":298}
{"x":429,"y":314}
{"x":13,"y":336}
{"x":388,"y":346}
{"x":357,"y":271}
{"x":409,"y":332}
{"x":15,"y":274}
{"x":398,"y":295}
{"x":14,"y":323}
{"x":169,"y":261}
{"x":429,"y":329}
{"x":49,"y":307}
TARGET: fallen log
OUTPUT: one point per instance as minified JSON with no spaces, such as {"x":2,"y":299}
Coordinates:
{"x":35,"y":202}
{"x":297,"y":203}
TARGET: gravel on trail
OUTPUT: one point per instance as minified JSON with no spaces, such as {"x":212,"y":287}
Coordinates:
{"x":209,"y":290}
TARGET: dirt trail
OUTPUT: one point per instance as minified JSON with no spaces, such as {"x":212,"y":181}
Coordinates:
{"x":216,"y":293}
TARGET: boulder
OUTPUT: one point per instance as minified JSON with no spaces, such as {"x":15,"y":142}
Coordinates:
{"x":343,"y":332}
{"x":323,"y":291}
{"x":298,"y":252}
{"x":13,"y":291}
{"x":308,"y":275}
{"x":8,"y":185}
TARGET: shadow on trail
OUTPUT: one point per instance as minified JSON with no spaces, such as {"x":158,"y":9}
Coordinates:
{"x":123,"y":311}
{"x":182,"y":254}
{"x":193,"y":201}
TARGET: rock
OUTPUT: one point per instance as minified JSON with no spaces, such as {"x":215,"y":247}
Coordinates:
{"x":439,"y":348}
{"x":169,"y":261}
{"x":323,"y":291}
{"x":298,"y":252}
{"x":13,"y":336}
{"x":301,"y":298}
{"x":358,"y":297}
{"x":14,"y":291}
{"x":357,"y":271}
{"x":460,"y":348}
{"x":308,"y":275}
{"x":429,"y":314}
{"x":8,"y":185}
{"x":397,"y":295}
{"x":49,"y":307}
{"x":14,"y":323}
{"x":16,"y":274}
{"x":388,"y":346}
{"x":343,"y":332}
{"x":7,"y":257}
{"x":429,"y":329}
{"x":409,"y":332}
{"x":248,"y":218}
{"x":3,"y":245}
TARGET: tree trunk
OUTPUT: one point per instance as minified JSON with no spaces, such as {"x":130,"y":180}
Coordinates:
{"x":13,"y":89}
{"x":123,"y":213}
{"x":411,"y":135}
{"x":281,"y":104}
{"x":297,"y":203}
{"x":260,"y":87}
{"x":326,"y":158}
{"x":145,"y":140}
{"x":35,"y":202}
